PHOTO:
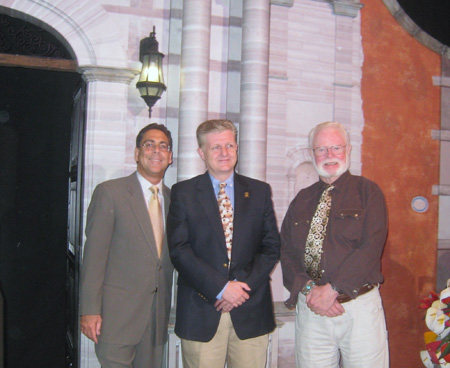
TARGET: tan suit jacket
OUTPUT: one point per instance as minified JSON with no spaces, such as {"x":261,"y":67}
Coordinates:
{"x":122,"y":277}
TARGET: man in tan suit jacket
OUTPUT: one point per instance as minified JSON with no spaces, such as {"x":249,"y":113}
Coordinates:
{"x":126,"y":281}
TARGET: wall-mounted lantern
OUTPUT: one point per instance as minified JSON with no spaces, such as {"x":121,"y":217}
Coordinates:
{"x":151,"y":81}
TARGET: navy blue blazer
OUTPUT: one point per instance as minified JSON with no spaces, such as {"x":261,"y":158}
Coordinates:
{"x":198,"y":252}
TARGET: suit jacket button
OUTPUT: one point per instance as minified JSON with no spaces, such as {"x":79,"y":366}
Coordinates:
{"x":225,"y":265}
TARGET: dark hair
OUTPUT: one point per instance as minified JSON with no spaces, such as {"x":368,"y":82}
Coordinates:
{"x":155,"y":126}
{"x":216,"y":126}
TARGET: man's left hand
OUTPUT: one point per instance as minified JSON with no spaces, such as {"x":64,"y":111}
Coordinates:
{"x":336,"y":310}
{"x":322,"y":300}
{"x":223,"y":305}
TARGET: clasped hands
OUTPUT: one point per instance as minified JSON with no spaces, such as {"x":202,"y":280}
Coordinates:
{"x":322,"y":301}
{"x":234,"y":295}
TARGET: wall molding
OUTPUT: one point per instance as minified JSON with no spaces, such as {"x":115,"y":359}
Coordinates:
{"x":92,"y":73}
{"x":441,"y":190}
{"x":444,"y":244}
{"x":440,"y":135}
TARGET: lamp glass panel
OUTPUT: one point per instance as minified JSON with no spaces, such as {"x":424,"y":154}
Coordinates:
{"x":160,"y":92}
{"x":144,"y":71}
{"x":153,"y":71}
{"x":143,"y":91}
{"x":152,"y":91}
{"x":160,"y":71}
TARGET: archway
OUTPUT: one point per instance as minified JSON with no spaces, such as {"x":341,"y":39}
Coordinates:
{"x":41,"y":322}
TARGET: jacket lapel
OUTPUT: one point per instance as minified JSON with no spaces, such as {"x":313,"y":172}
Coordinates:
{"x":208,"y":201}
{"x":166,"y":195}
{"x":241,"y":207}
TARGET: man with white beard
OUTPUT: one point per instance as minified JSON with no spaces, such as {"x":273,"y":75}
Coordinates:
{"x":332,"y":239}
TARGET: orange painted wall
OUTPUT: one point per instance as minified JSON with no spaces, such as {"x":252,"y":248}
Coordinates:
{"x":401,"y":107}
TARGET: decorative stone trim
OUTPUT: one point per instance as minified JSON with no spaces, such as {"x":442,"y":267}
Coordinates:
{"x":348,"y":8}
{"x":343,"y":85}
{"x":444,"y":244}
{"x":441,"y":81}
{"x":440,"y":135}
{"x":92,"y":73}
{"x":441,"y":190}
{"x":288,"y":3}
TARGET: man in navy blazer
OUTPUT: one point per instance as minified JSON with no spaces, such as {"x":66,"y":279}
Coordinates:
{"x":224,"y":302}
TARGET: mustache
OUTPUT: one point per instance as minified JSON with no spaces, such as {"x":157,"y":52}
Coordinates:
{"x":331,"y":161}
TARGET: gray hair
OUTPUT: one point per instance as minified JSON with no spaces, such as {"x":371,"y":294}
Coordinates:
{"x":327,"y":124}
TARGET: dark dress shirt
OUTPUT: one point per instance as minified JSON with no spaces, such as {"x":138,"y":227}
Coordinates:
{"x":354,"y":242}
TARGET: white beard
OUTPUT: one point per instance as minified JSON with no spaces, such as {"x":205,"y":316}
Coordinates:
{"x":343,"y":167}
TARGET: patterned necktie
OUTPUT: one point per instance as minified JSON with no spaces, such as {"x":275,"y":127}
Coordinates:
{"x":226,"y":214}
{"x":317,"y":232}
{"x":155,"y":212}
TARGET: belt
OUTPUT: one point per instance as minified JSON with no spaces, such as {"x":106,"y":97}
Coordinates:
{"x":343,"y":298}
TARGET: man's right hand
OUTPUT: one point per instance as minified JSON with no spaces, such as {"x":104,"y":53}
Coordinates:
{"x":91,"y":326}
{"x":236,"y":293}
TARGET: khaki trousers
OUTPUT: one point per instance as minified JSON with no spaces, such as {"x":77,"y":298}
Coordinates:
{"x":225,"y":346}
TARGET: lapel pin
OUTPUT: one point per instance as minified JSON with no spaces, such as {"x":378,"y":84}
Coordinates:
{"x":246,"y":195}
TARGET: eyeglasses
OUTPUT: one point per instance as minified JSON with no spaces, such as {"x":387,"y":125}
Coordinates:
{"x":322,"y":151}
{"x":151,"y":146}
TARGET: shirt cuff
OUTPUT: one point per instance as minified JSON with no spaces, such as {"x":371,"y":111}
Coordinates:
{"x":219,"y":296}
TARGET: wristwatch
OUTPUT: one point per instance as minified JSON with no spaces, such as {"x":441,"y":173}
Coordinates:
{"x":308,"y":287}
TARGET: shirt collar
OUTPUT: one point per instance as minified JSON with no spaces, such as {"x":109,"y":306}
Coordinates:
{"x":339,"y":184}
{"x":145,"y":184}
{"x":229,"y":181}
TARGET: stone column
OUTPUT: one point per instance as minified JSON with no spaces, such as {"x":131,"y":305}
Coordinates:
{"x":194,"y":79}
{"x":254,"y":88}
{"x":443,"y":188}
{"x":106,"y":126}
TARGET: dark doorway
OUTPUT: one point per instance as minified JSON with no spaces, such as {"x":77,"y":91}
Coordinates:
{"x":35,"y":137}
